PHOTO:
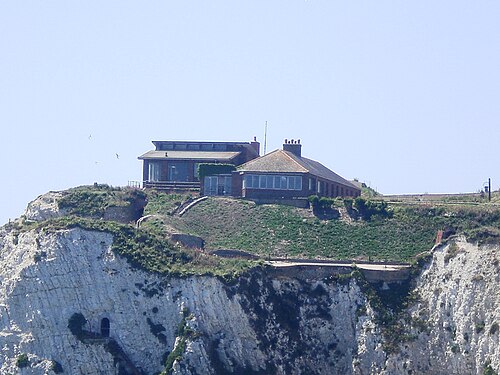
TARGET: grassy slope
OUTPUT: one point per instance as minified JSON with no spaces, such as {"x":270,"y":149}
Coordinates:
{"x":278,"y":230}
{"x":263,"y":229}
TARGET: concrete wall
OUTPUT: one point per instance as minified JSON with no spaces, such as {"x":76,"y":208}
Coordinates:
{"x":318,"y":272}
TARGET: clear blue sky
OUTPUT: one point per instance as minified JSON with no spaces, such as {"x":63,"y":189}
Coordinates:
{"x":404,"y":95}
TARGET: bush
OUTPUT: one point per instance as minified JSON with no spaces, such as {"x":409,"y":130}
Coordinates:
{"x":92,"y":201}
{"x":210,"y":169}
{"x":56,"y":367}
{"x":367,"y":209}
{"x":348,"y":204}
{"x":322,"y":203}
{"x":313,"y":200}
{"x":494,"y":328}
{"x":184,"y":332}
{"x":487,"y":369}
{"x":453,"y":250}
{"x":325,"y":203}
{"x":22,"y":360}
{"x":76,"y":323}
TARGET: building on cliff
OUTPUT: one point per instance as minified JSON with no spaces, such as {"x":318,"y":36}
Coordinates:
{"x":280,"y":174}
{"x":173,"y":165}
{"x":287,"y":174}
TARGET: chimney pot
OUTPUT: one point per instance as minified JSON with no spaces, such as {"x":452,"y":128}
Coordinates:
{"x":293,"y":146}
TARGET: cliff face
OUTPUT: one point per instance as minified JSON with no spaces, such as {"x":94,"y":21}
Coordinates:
{"x":460,"y":308}
{"x":259,"y":324}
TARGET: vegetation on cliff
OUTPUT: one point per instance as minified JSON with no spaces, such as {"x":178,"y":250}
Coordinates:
{"x":367,"y":229}
{"x":276,"y":230}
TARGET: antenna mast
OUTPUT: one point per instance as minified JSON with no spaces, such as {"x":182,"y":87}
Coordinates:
{"x":265,"y":139}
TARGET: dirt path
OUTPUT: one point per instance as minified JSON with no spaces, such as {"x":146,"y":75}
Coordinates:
{"x":364,"y":266}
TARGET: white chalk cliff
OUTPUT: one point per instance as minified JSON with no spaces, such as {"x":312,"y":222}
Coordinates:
{"x":259,"y":324}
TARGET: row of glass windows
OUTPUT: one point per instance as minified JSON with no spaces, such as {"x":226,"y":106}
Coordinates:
{"x":176,"y":171}
{"x":193,"y":146}
{"x":330,"y":190}
{"x":275,"y":182}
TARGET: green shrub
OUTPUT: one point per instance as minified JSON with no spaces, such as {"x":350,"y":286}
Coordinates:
{"x":348,"y":204}
{"x":22,"y":360}
{"x":76,"y":323}
{"x":321,"y":204}
{"x":56,"y":367}
{"x":92,"y":201}
{"x":367,"y":208}
{"x":479,"y":327}
{"x":325,"y":203}
{"x":184,"y":332}
{"x":313,"y":200}
{"x":453,"y":250}
{"x":210,"y":169}
{"x":488,"y":370}
{"x":494,"y":328}
{"x":85,"y":202}
{"x":39,"y":256}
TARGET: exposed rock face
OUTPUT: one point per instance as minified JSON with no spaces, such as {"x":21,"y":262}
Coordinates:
{"x":44,"y":207}
{"x":257,"y":325}
{"x":460,"y":305}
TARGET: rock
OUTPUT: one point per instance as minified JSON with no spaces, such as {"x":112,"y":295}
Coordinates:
{"x":261,"y":324}
{"x":44,"y":207}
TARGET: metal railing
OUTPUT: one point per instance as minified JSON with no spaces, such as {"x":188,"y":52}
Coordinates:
{"x":134,"y":184}
{"x":172,"y":185}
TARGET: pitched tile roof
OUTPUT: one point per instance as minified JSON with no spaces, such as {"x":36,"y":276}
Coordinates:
{"x":190,"y":155}
{"x":280,"y":161}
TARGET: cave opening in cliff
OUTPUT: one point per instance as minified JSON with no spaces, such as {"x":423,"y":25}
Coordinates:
{"x":105,"y":327}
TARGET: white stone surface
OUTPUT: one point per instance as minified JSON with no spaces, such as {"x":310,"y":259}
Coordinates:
{"x":278,"y":326}
{"x":44,"y":207}
{"x":457,"y":296}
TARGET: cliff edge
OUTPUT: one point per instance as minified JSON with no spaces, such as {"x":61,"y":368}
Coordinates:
{"x":69,"y":303}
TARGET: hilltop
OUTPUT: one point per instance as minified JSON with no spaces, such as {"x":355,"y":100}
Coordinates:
{"x":340,"y":229}
{"x":104,"y":280}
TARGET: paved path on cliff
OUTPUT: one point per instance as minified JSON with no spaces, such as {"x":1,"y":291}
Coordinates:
{"x":364,"y":266}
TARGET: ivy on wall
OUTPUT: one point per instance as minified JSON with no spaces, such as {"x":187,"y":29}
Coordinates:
{"x":210,"y":169}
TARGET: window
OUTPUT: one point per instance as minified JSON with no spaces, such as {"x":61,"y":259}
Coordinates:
{"x":218,"y":185}
{"x":180,"y":146}
{"x":277,"y":182}
{"x":178,"y":171}
{"x":270,"y":181}
{"x":211,"y":185}
{"x":262,"y":182}
{"x":274,"y":182}
{"x":154,"y":169}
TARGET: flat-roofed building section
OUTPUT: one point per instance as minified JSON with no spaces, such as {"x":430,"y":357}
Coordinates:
{"x":173,"y":165}
{"x":190,"y":155}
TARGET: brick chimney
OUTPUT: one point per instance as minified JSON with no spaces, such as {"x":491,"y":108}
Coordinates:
{"x":255,"y":145}
{"x":293,"y":146}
